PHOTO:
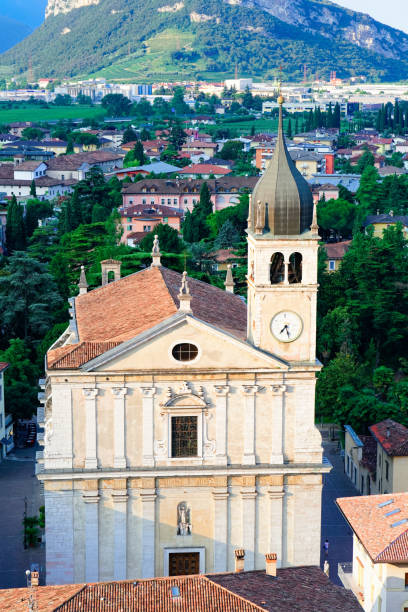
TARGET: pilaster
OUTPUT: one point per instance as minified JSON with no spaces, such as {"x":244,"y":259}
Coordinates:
{"x":248,"y":496}
{"x":148,"y":497}
{"x":91,"y":461}
{"x":120,"y":499}
{"x":278,"y":394}
{"x":119,"y":394}
{"x":220,"y":529}
{"x":276,"y":494}
{"x":249,"y":392}
{"x":58,"y":431}
{"x":59,"y":533}
{"x":221,"y":395}
{"x":148,"y":394}
{"x":91,"y":501}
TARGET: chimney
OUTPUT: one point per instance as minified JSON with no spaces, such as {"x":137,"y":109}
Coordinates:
{"x":229,"y":280}
{"x":270,"y":561}
{"x":35,"y":579}
{"x":239,"y":560}
{"x":110,"y":266}
{"x":388,"y":432}
{"x":329,"y":163}
{"x":156,"y":255}
{"x":184,"y":296}
{"x":82,"y":285}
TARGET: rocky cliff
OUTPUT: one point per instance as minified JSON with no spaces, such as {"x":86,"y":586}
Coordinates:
{"x":54,"y":7}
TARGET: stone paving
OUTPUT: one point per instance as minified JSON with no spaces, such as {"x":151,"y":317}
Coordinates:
{"x":334,"y":526}
{"x":17,"y":482}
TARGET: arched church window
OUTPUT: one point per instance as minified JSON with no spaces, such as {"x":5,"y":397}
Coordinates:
{"x":295,"y":268}
{"x":277,"y":274}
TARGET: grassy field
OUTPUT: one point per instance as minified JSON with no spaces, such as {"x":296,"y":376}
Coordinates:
{"x":30,"y":112}
{"x":245,"y":127}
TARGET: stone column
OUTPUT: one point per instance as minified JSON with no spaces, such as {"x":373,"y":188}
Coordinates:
{"x":91,"y":500}
{"x":119,"y":393}
{"x":221,"y":393}
{"x":276,"y":494}
{"x":91,"y":461}
{"x":148,"y":497}
{"x":278,"y":394}
{"x":120,"y":498}
{"x":249,"y":392}
{"x":248,"y":495}
{"x":148,"y":425}
{"x":220,"y":496}
{"x":59,"y":533}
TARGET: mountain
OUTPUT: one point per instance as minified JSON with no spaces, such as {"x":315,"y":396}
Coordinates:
{"x":12,"y":32}
{"x":145,"y":40}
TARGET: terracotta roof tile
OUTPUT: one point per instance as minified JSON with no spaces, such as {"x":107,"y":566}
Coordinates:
{"x":204,"y":169}
{"x":121,"y":310}
{"x":3,"y":365}
{"x":295,"y":589}
{"x":392,"y":436}
{"x":337,"y":250}
{"x":385,"y":538}
{"x":48,"y":598}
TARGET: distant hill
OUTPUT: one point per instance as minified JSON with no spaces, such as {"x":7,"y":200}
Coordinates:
{"x":145,"y":40}
{"x":12,"y":32}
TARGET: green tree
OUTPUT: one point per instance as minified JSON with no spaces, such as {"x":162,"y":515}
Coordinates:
{"x":366,"y":159}
{"x":232,"y":149}
{"x":20,"y":380}
{"x":15,"y":230}
{"x":337,"y":215}
{"x":228,"y":236}
{"x":70,"y":146}
{"x":168,"y":238}
{"x":28,"y":297}
{"x":129,"y":135}
{"x":32,"y":133}
{"x":177,"y":102}
{"x":33,"y":190}
{"x":177,"y":135}
{"x":289,"y":129}
{"x":116,"y":105}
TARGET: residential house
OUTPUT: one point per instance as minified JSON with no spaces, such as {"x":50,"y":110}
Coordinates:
{"x":378,"y":463}
{"x":273,"y":590}
{"x":350,"y":181}
{"x":151,"y":148}
{"x":335,"y":252}
{"x":381,"y":221}
{"x":307,"y":163}
{"x":17,"y":127}
{"x":3,"y":438}
{"x":326,"y":191}
{"x":77,"y":166}
{"x":378,"y":574}
{"x":183,"y":194}
{"x":391,"y":170}
{"x":145,"y":170}
{"x":13,"y":183}
{"x":207,"y":148}
{"x":220,"y":259}
{"x":204,"y":171}
{"x":139,"y":220}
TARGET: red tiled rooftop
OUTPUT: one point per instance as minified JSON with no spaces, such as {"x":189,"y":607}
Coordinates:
{"x":204,"y":169}
{"x":135,"y":304}
{"x":337,"y":250}
{"x":3,"y":365}
{"x":392,"y":436}
{"x":298,"y":589}
{"x":384,"y":537}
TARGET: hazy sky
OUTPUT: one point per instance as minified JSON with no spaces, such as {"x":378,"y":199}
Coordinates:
{"x":391,"y":12}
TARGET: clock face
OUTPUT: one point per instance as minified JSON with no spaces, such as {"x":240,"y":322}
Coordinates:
{"x":286,"y":326}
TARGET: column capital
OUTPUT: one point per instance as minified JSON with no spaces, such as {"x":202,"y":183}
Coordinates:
{"x":148,"y":495}
{"x":248,"y":493}
{"x":148,"y":391}
{"x":120,"y":496}
{"x":221,"y":389}
{"x":251,"y":389}
{"x":90,"y":497}
{"x":119,"y":392}
{"x":278,"y":389}
{"x":90,"y":393}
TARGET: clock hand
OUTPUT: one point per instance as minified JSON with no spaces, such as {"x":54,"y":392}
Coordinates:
{"x":283,"y":328}
{"x":287,"y":331}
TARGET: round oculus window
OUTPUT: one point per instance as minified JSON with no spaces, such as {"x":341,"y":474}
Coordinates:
{"x":184,"y":351}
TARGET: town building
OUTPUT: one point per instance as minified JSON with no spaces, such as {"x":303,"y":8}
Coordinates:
{"x":378,"y":463}
{"x":378,"y":574}
{"x":17,"y":179}
{"x":308,"y":163}
{"x":204,"y":171}
{"x":139,"y":220}
{"x":180,"y":422}
{"x":183,"y":194}
{"x":276,"y":590}
{"x":145,"y":170}
{"x":380,"y":222}
{"x":335,"y":252}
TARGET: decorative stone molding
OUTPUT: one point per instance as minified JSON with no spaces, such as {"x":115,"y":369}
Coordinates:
{"x":221,"y":390}
{"x":119,"y":394}
{"x":148,"y":391}
{"x":278,"y":389}
{"x":221,"y":393}
{"x":148,"y":425}
{"x":90,"y":395}
{"x":249,"y":391}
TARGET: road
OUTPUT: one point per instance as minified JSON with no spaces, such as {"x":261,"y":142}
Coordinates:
{"x":17,"y":482}
{"x":334,"y":527}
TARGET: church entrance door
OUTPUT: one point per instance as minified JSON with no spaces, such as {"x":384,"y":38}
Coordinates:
{"x":182,"y":564}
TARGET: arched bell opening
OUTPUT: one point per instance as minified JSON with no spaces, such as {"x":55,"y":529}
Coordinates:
{"x":277,"y":270}
{"x":295,"y":268}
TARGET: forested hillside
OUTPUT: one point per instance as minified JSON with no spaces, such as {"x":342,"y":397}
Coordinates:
{"x":131,"y":39}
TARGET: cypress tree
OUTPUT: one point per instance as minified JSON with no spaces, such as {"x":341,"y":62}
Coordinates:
{"x":31,"y":218}
{"x":138,"y":153}
{"x":329,"y":122}
{"x":289,"y":130}
{"x":70,"y":146}
{"x":33,"y":190}
{"x":15,"y":231}
{"x":297,"y":126}
{"x":336,"y":116}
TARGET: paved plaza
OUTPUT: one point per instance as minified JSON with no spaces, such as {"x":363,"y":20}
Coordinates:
{"x":334,"y":526}
{"x":17,"y":483}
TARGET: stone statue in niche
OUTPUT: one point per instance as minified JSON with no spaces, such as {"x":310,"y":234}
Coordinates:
{"x":183,"y":519}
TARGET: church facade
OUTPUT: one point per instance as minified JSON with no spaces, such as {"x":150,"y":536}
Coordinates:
{"x":179,"y":422}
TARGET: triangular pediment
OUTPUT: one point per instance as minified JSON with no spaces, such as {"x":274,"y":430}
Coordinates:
{"x":153,"y":351}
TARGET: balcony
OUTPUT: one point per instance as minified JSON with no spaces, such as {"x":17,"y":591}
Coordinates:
{"x":345,"y":573}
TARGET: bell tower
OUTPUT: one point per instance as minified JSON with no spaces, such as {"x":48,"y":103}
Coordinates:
{"x":282,"y":260}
